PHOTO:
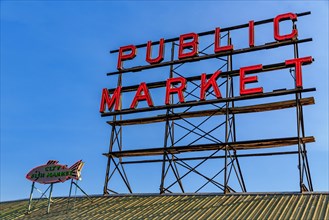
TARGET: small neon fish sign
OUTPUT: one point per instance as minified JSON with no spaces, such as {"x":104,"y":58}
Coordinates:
{"x":52,"y":172}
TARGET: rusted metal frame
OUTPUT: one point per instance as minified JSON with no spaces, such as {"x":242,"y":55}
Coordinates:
{"x":240,"y":176}
{"x":210,"y":180}
{"x":207,"y":133}
{"x":237,"y":173}
{"x":171,"y":127}
{"x":226,"y":137}
{"x":166,"y":171}
{"x":303,"y":145}
{"x":198,"y":86}
{"x":192,"y":169}
{"x":230,"y":132}
{"x":174,"y":171}
{"x":168,"y":191}
{"x":299,"y":147}
{"x":240,"y":145}
{"x":222,"y":66}
{"x":202,"y":51}
{"x":203,"y":113}
{"x":214,"y":157}
{"x":115,"y":139}
{"x":116,"y":136}
{"x":164,"y":156}
{"x":228,"y":178}
{"x":304,"y":152}
{"x":191,"y":131}
{"x":213,"y":177}
{"x":207,"y":102}
{"x":298,"y":131}
{"x":124,"y":172}
{"x":167,"y":129}
{"x":172,"y":133}
{"x":177,"y":172}
{"x":243,"y":185}
{"x":173,"y":70}
{"x":232,"y":125}
{"x":227,"y":113}
{"x":222,"y":29}
{"x":265,"y":46}
{"x":122,"y":176}
{"x":178,"y":65}
{"x":191,"y":92}
{"x":196,"y":127}
{"x":112,"y":191}
{"x":108,"y":167}
{"x":233,"y":136}
{"x":173,"y":167}
{"x":110,"y":176}
{"x":164,"y":177}
{"x":199,"y":164}
{"x":302,"y":128}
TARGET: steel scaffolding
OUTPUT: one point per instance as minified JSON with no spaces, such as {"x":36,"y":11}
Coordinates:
{"x":224,"y":148}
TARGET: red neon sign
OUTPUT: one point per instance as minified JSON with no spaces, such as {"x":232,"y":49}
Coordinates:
{"x":188,"y":48}
{"x":190,"y":42}
{"x":143,"y":94}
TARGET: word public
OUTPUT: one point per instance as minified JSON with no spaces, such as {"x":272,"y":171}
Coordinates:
{"x":188,"y":48}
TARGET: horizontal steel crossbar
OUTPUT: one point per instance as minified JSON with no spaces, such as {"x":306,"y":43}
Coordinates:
{"x":240,"y":145}
{"x":236,"y":110}
{"x":213,"y":157}
{"x":222,"y":29}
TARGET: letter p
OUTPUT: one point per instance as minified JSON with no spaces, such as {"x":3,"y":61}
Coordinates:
{"x":126,"y":56}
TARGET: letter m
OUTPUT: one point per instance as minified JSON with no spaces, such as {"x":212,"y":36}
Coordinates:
{"x":110,"y":101}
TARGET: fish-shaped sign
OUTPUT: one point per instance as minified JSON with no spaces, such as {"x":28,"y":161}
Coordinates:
{"x":52,"y":172}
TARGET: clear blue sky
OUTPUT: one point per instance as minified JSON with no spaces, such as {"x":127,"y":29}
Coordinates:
{"x":54,"y":60}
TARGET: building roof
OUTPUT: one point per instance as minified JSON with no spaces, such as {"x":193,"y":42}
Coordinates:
{"x":171,"y":206}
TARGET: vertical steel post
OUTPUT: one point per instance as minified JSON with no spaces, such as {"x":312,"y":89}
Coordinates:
{"x":171,"y":126}
{"x":30,"y":200}
{"x":163,"y":173}
{"x":112,"y":138}
{"x":297,"y":98}
{"x":232,"y":128}
{"x":228,"y":80}
{"x":49,"y":199}
{"x":302,"y":154}
{"x":68,"y":200}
